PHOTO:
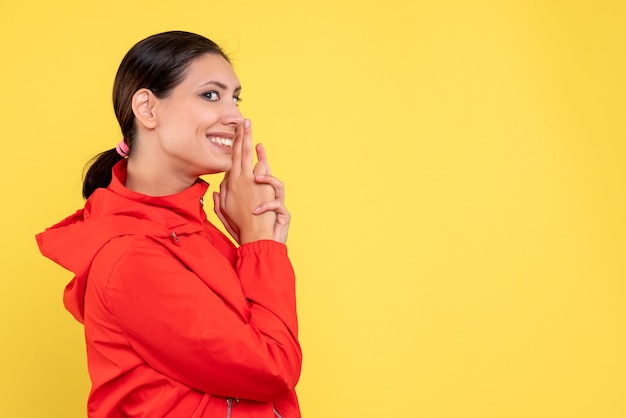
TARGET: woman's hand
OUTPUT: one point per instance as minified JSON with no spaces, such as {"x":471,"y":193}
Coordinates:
{"x":263,"y":175}
{"x":250,"y":203}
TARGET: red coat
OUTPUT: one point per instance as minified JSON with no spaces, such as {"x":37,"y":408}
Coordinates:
{"x":178,"y":322}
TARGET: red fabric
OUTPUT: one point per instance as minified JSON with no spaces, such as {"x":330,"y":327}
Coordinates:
{"x":177,"y":320}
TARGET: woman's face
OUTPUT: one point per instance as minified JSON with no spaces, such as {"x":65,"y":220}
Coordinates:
{"x":198,"y":120}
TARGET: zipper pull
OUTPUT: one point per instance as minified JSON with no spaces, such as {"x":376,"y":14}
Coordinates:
{"x":174,"y":238}
{"x":231,"y":403}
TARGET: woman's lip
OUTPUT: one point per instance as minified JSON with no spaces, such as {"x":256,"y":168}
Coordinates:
{"x":224,"y":144}
{"x":223,"y":148}
{"x":227,"y":135}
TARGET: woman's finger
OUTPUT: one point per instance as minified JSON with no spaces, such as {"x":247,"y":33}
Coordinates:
{"x":217,"y":208}
{"x":262,"y":157}
{"x":274,"y":206}
{"x":223,"y":192}
{"x":259,"y":169}
{"x":277,"y":185}
{"x":281,"y":223}
{"x":246,"y":147}
{"x":237,"y":151}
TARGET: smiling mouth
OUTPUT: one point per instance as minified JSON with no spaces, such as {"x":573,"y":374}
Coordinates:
{"x":227,"y":142}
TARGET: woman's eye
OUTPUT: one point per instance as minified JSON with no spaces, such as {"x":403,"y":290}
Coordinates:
{"x":237,"y":99}
{"x":211,"y":95}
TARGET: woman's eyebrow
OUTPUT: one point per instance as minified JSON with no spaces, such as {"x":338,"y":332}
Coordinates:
{"x":220,"y":85}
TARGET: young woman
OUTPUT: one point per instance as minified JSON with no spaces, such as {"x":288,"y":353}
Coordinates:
{"x":178,"y":321}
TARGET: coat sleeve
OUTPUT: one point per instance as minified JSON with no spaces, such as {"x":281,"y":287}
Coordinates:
{"x":183,"y":329}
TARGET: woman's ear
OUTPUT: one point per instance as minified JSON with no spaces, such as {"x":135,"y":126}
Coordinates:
{"x":144,"y":103}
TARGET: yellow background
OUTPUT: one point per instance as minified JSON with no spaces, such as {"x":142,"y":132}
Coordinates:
{"x":455,"y":170}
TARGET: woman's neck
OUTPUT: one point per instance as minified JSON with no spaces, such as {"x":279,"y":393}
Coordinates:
{"x":155,"y":179}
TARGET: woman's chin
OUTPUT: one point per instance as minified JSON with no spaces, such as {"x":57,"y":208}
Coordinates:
{"x":217,"y":169}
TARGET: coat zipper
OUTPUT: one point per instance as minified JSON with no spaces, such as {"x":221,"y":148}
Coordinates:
{"x":231,"y":402}
{"x":174,"y":238}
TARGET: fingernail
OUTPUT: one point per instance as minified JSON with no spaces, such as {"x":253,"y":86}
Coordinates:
{"x":246,"y":123}
{"x":257,"y":210}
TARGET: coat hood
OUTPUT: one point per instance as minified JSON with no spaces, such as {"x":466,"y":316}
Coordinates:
{"x":115,"y":212}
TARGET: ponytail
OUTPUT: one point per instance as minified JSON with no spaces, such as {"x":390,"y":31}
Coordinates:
{"x":99,"y":173}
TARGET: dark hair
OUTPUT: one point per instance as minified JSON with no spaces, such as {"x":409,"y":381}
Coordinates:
{"x":157,"y":63}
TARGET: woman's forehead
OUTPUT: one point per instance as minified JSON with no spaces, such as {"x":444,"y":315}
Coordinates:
{"x":212,"y":68}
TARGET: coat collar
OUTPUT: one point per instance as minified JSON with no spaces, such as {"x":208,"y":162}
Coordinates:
{"x":180,"y":210}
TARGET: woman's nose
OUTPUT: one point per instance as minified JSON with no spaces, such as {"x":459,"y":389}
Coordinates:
{"x":232,"y":115}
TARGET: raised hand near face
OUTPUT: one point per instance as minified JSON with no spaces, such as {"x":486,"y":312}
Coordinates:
{"x":263,"y":175}
{"x":250,"y":203}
